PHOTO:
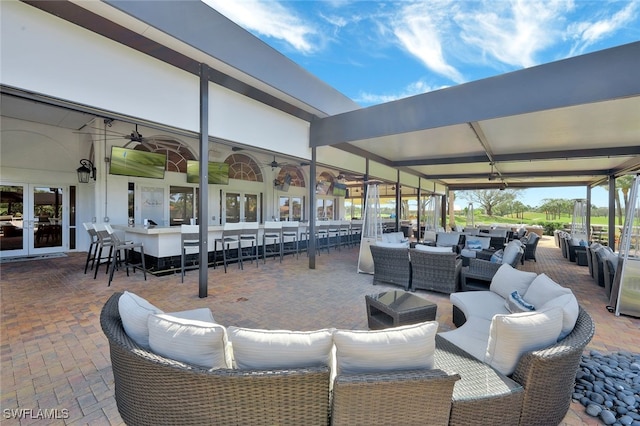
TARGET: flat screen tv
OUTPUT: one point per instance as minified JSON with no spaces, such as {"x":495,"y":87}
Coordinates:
{"x":339,"y":189}
{"x":218,"y":173}
{"x":131,"y":162}
{"x":322,"y":188}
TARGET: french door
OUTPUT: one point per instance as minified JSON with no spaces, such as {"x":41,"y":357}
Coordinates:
{"x":241,"y":207}
{"x":33,"y":219}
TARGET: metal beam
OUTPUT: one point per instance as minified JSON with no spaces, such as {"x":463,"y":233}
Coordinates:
{"x":203,"y":199}
{"x":594,"y":77}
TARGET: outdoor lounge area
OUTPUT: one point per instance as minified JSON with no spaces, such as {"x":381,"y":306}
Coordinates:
{"x":55,"y":355}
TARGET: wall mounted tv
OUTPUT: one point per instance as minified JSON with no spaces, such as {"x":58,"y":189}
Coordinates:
{"x":218,"y":173}
{"x":131,"y":162}
{"x":339,"y":189}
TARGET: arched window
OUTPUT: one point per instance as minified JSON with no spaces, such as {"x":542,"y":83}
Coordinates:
{"x":243,"y":167}
{"x":177,"y":152}
{"x":294,"y":172}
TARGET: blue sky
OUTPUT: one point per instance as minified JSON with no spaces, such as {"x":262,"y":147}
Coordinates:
{"x":379,"y":51}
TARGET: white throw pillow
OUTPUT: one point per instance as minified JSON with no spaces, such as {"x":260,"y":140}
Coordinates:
{"x":508,"y":279}
{"x":260,"y":349}
{"x":191,"y":341}
{"x":512,"y":335}
{"x":432,"y":249}
{"x":570,"y":311}
{"x":134,"y":311}
{"x":398,"y":348}
{"x":543,"y":289}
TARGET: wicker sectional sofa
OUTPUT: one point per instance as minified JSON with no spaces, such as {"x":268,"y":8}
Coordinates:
{"x":152,"y":389}
{"x":532,"y":330}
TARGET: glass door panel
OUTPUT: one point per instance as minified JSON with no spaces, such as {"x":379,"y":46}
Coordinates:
{"x":12,"y":228}
{"x":251,"y":208}
{"x":232,"y":203}
{"x":47,"y":217}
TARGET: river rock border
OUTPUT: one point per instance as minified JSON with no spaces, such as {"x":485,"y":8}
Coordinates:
{"x":609,"y":387}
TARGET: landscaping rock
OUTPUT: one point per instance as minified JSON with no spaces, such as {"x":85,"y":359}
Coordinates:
{"x":609,"y":387}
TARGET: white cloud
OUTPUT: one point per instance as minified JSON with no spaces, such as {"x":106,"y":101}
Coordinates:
{"x":513,"y":32}
{"x":587,"y":33}
{"x":419,"y":28}
{"x":270,"y":19}
{"x":412,"y":89}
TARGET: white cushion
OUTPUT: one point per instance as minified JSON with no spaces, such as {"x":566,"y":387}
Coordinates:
{"x":512,"y":335}
{"x":447,"y":239}
{"x":392,"y":245}
{"x":472,"y":337}
{"x":515,"y":303}
{"x":507,"y":279}
{"x":543,"y":289}
{"x":432,"y":249}
{"x":510,"y":252}
{"x":198,"y":314}
{"x":260,"y":349}
{"x":478,"y":304}
{"x":570,"y":311}
{"x":191,"y":341}
{"x":134,"y":311}
{"x":429,"y":236}
{"x":398,"y":348}
{"x":394,"y":237}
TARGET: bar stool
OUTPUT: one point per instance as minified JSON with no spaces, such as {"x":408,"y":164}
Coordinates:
{"x":355,"y":231}
{"x":104,"y":242}
{"x":249,"y":236}
{"x":272,"y":235}
{"x":93,"y":245}
{"x":322,"y":235}
{"x":290,"y":236}
{"x":126,"y":247}
{"x":230,"y":238}
{"x":333,"y":231}
{"x":190,"y":239}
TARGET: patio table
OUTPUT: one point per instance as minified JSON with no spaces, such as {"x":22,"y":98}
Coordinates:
{"x":394,"y":308}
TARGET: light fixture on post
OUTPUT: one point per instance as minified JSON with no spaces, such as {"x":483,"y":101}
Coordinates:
{"x":86,"y":171}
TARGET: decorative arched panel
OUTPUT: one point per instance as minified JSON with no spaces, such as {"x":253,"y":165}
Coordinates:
{"x":294,"y":172}
{"x":177,"y":152}
{"x":243,"y":167}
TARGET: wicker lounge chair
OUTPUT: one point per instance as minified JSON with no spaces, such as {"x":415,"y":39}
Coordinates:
{"x":391,"y":266}
{"x":481,"y":270}
{"x":530,"y":247}
{"x":435,"y":271}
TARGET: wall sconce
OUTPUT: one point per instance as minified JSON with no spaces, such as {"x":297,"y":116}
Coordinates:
{"x":85,"y":171}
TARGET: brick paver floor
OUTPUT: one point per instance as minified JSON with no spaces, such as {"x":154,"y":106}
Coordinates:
{"x":55,"y":357}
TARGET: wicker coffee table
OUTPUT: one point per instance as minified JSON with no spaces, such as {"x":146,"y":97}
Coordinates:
{"x":394,"y":308}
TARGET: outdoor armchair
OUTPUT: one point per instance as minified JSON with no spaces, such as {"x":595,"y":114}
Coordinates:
{"x":435,"y":271}
{"x":391,"y":266}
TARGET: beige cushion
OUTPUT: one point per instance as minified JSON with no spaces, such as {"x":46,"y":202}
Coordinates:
{"x":570,"y":311}
{"x":134,"y":311}
{"x":392,"y":245}
{"x":508,"y":279}
{"x":543,"y":289}
{"x":191,"y":341}
{"x":512,"y":335}
{"x":199,"y":314}
{"x":260,"y":349}
{"x":399,"y":348}
{"x":510,"y":252}
{"x":424,"y":247}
